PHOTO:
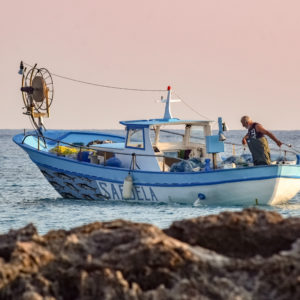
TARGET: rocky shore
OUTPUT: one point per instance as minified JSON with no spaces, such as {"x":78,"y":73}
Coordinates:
{"x":252,"y":254}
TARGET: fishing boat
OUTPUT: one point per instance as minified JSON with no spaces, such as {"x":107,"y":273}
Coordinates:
{"x":144,"y":165}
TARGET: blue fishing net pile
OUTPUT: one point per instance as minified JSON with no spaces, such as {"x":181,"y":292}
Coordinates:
{"x":191,"y":165}
{"x":239,"y":160}
{"x":246,"y":159}
{"x":114,"y":162}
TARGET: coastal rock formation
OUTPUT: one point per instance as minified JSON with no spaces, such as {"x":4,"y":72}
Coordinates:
{"x":125,"y":260}
{"x":239,"y":234}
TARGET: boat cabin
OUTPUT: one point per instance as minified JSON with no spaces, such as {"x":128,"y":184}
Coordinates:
{"x":156,"y":144}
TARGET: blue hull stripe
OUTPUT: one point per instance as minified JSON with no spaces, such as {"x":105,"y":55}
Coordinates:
{"x":164,"y":184}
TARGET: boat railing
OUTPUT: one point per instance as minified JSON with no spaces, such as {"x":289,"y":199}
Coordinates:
{"x":133,"y":164}
{"x":88,"y":148}
{"x":282,"y":152}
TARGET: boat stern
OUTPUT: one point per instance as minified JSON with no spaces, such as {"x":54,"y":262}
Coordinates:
{"x":287,"y":184}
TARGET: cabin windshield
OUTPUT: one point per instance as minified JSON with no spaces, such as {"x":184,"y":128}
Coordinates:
{"x":183,"y":133}
{"x":135,"y":138}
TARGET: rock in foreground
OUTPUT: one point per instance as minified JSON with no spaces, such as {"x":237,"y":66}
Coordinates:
{"x":125,"y":260}
{"x":239,"y":234}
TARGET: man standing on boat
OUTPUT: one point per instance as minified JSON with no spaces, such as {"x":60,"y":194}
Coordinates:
{"x":257,"y":142}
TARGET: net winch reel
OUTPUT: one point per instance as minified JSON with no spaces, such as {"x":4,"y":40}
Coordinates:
{"x":37,"y":92}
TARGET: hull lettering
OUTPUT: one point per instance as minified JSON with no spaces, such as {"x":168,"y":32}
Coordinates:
{"x":114,"y":191}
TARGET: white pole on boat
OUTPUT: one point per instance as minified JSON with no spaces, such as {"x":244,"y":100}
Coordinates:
{"x":168,"y":114}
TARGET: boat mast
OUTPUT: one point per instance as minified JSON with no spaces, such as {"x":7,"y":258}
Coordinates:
{"x":168,"y":114}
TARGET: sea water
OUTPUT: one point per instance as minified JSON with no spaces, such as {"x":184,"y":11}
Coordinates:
{"x":27,"y":197}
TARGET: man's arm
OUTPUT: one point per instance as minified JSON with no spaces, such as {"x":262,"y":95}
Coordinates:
{"x":244,"y":142}
{"x":260,"y":128}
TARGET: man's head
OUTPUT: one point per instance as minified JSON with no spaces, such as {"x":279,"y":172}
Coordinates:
{"x":246,"y":121}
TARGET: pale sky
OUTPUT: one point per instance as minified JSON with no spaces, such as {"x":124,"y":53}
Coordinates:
{"x":224,"y":58}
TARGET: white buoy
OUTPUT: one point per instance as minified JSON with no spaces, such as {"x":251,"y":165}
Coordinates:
{"x":127,"y":187}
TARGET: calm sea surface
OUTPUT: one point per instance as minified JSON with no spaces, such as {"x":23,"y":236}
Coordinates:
{"x":26,"y":196}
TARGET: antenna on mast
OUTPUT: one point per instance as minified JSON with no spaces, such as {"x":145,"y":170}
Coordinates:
{"x":168,"y":114}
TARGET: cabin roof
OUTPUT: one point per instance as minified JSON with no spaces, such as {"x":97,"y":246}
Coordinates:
{"x":173,"y":121}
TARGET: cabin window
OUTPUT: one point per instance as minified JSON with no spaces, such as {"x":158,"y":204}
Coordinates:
{"x":135,"y":138}
{"x":171,"y":133}
{"x":197,"y":134}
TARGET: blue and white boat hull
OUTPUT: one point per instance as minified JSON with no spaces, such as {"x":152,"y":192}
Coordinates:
{"x":261,"y":185}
